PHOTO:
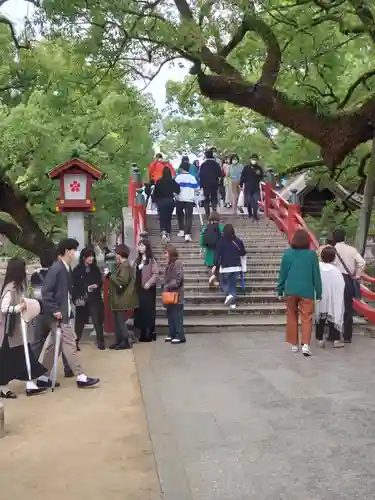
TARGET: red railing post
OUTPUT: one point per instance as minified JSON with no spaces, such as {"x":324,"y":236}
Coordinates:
{"x":293,"y":211}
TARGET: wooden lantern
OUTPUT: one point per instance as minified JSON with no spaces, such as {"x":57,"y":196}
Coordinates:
{"x":76,"y":179}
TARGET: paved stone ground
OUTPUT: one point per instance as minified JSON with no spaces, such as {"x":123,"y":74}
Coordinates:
{"x":80,"y":444}
{"x":239,"y":417}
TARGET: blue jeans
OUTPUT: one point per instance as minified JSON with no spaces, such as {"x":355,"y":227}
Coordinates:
{"x":175,"y":315}
{"x":252,"y":205}
{"x":165,"y":208}
{"x":228,"y":283}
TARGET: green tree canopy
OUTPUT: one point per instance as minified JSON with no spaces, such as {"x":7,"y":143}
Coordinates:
{"x":56,"y":105}
{"x":308,"y":65}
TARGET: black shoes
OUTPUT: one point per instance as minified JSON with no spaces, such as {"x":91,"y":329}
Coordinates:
{"x":42,"y":384}
{"x":90,"y":382}
{"x":101,"y":347}
{"x":8,"y":395}
{"x":120,"y":347}
{"x":34,"y":392}
{"x":69,"y":374}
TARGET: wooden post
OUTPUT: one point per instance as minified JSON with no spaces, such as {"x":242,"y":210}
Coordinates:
{"x":293,"y":210}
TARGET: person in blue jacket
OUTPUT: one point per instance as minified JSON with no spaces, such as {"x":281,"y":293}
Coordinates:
{"x":193,"y":170}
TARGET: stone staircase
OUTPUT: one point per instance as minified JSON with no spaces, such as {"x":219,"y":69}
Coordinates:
{"x":204,"y":307}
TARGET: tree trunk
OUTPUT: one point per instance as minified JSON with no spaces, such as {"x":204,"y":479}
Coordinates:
{"x":25,"y":233}
{"x":337,"y":135}
{"x":366,"y":208}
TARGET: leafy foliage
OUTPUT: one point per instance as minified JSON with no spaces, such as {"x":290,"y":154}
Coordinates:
{"x":56,"y":111}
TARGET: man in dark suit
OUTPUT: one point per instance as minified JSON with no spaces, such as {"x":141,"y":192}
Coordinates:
{"x":57,"y":305}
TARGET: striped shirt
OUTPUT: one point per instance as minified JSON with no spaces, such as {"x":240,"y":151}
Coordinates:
{"x":188,"y":185}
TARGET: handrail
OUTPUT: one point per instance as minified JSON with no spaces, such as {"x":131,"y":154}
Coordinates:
{"x":138,"y":209}
{"x":288,"y":219}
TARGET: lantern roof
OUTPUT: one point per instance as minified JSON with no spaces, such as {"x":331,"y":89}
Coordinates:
{"x":75,"y":163}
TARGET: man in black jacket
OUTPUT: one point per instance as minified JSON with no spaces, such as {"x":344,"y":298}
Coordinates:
{"x":251,"y":177}
{"x":209,"y":178}
{"x":57,"y":306}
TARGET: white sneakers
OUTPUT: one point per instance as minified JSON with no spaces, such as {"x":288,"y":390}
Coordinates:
{"x":228,"y":299}
{"x":306,"y":351}
{"x":188,"y":237}
{"x":181,"y":234}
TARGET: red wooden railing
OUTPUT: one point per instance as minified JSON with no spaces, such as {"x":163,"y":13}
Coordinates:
{"x":139,"y":226}
{"x":287,"y":217}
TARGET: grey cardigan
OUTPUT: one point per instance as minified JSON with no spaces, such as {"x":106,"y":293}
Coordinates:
{"x":149,"y":273}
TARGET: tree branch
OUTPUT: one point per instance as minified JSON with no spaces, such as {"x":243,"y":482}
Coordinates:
{"x":271,"y":66}
{"x":366,"y":16}
{"x":362,"y":79}
{"x":301,"y":167}
{"x":205,"y":10}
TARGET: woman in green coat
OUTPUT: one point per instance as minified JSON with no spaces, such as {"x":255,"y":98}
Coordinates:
{"x":215,"y":229}
{"x":122,"y":296}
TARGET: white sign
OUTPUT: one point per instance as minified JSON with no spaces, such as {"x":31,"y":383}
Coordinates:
{"x":75,"y":186}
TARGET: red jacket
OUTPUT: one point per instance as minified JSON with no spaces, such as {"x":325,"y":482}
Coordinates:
{"x":155,"y":169}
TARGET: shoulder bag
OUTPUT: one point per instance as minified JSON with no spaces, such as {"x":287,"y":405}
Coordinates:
{"x":356,"y":283}
{"x":169,"y":298}
{"x":10,"y":320}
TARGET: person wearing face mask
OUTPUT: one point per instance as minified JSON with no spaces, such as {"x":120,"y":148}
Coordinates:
{"x":122,"y":296}
{"x":235,"y":175}
{"x":146,"y":273}
{"x":227,"y":182}
{"x":58,"y":306}
{"x":251,"y":177}
{"x":87,"y":297}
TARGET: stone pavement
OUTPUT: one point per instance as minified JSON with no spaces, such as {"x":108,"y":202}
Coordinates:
{"x":80,"y":444}
{"x":237,"y":416}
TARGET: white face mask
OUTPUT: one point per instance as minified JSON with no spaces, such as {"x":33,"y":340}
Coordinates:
{"x":234,"y":162}
{"x":253,"y":162}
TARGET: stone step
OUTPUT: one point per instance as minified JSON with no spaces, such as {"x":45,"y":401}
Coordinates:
{"x":190,"y":250}
{"x":202,"y":288}
{"x":190,"y":309}
{"x":251,"y":281}
{"x":253,"y":272}
{"x":217,"y":297}
{"x":226,"y":323}
{"x":252,"y":262}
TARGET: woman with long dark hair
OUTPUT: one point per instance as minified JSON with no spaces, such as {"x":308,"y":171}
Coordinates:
{"x":12,"y":354}
{"x":87,"y":296}
{"x":229,"y":251}
{"x":164,"y":197}
{"x":174,"y":282}
{"x":146,"y":273}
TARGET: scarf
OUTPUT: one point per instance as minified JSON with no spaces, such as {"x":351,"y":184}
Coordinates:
{"x":331,"y":307}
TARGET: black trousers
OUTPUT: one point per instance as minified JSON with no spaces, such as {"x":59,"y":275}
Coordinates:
{"x":96,"y":311}
{"x":334,"y":334}
{"x":210,"y":198}
{"x":165,"y":207}
{"x":42,"y":329}
{"x":348,"y":303}
{"x":184,"y":211}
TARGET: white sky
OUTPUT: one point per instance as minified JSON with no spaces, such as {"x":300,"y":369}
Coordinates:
{"x":18,"y":9}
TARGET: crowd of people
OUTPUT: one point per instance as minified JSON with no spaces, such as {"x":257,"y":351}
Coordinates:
{"x":215,"y":179}
{"x":319,"y":287}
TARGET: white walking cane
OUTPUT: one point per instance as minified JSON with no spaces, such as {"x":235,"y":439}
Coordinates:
{"x":26,"y":346}
{"x":56,"y":355}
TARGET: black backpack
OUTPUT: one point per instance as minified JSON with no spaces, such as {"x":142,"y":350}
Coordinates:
{"x":211,"y":235}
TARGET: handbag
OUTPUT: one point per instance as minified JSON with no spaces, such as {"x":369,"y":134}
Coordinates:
{"x":356,"y":283}
{"x":9,"y":322}
{"x":169,"y":298}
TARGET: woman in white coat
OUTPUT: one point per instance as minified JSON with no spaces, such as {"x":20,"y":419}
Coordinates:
{"x":12,"y":354}
{"x":331,"y":308}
